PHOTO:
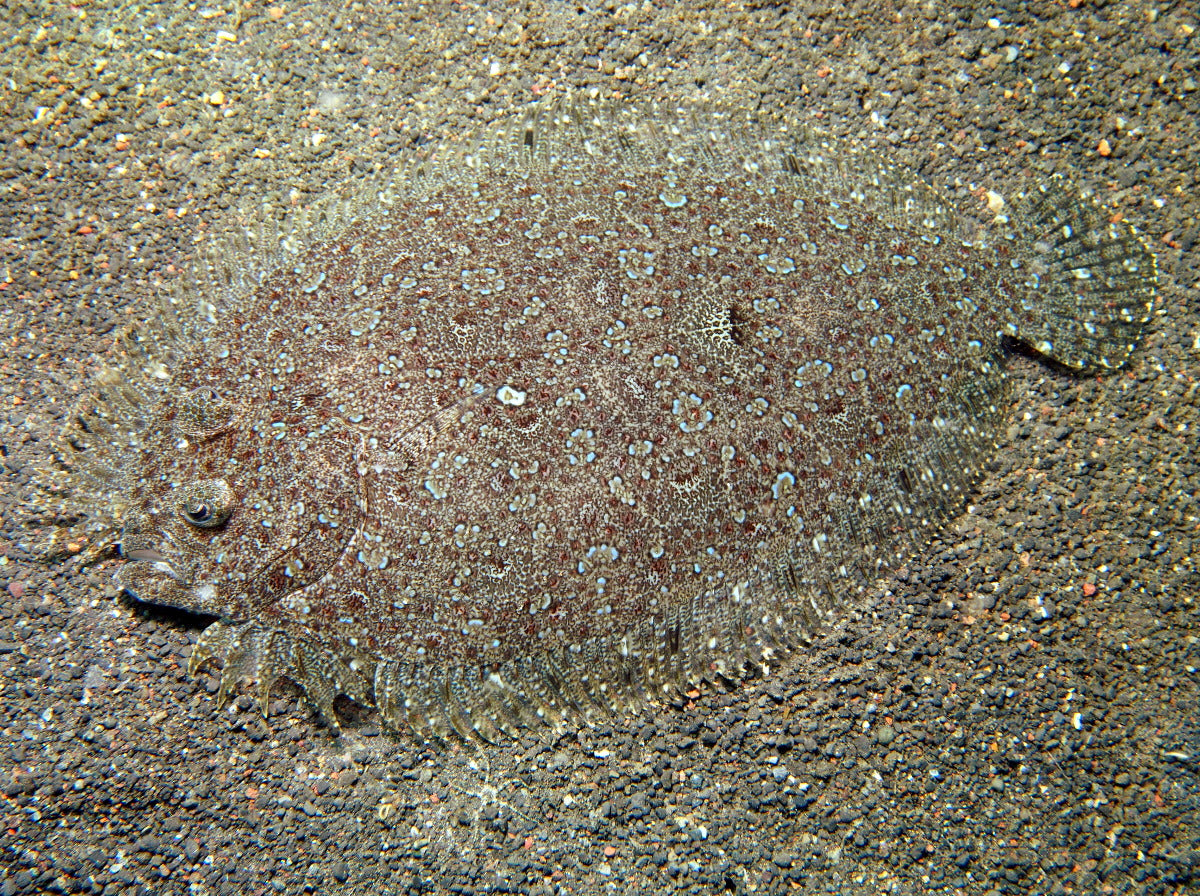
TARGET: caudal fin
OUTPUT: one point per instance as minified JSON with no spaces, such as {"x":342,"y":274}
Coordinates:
{"x":1090,"y":283}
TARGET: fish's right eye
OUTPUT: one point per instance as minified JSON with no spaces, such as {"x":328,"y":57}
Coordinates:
{"x":203,"y":413}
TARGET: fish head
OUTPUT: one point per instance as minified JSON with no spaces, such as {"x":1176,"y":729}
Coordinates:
{"x":237,"y":504}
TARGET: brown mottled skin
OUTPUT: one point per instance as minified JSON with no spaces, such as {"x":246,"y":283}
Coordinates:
{"x":581,"y":426}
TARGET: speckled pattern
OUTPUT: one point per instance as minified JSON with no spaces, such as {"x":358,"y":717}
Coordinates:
{"x":1012,"y":711}
{"x":613,"y":402}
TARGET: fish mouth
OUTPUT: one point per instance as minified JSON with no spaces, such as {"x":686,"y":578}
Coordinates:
{"x":154,"y":550}
{"x":153,"y":575}
{"x":145,"y":554}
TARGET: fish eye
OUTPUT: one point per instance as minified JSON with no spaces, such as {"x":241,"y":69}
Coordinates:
{"x":206,"y":504}
{"x":202,"y":413}
{"x":198,"y":513}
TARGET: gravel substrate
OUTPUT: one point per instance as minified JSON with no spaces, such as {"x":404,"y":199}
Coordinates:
{"x":1016,"y":712}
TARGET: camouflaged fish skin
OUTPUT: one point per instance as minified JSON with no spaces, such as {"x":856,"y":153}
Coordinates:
{"x":605,"y":402}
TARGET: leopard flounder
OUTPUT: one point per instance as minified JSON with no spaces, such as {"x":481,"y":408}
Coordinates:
{"x":606,"y":401}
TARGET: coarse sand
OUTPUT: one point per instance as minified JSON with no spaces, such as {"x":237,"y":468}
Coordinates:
{"x":1015,"y":712}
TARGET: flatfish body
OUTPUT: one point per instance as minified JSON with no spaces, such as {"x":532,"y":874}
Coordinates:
{"x":608,"y":401}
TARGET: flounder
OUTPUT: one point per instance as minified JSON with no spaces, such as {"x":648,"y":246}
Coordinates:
{"x":606,"y":401}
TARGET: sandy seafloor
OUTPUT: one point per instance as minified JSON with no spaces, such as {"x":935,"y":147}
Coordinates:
{"x":1016,"y":712}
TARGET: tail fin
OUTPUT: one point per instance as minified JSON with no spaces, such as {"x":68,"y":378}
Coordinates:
{"x":1091,"y":283}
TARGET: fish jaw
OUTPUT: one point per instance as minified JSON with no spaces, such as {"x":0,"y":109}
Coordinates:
{"x":154,"y":572}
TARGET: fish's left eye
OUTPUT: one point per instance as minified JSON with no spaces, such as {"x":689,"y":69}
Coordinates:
{"x":198,"y":513}
{"x":206,"y":504}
